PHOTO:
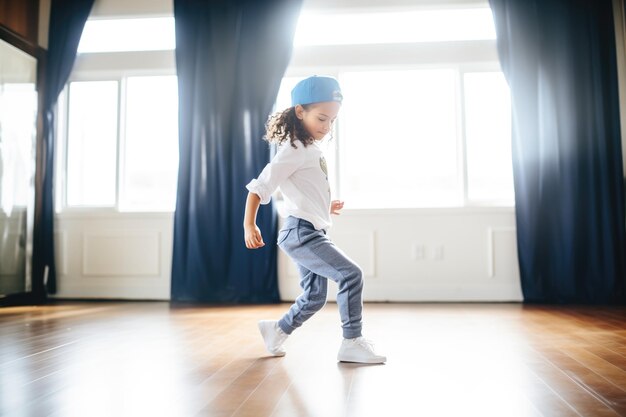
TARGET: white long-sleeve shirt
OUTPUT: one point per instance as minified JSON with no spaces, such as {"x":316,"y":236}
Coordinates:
{"x":302,"y":176}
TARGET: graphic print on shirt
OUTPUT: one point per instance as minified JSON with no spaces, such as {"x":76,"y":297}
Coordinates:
{"x":324,"y":170}
{"x":323,"y":166}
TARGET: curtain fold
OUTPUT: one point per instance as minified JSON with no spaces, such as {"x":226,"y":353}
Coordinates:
{"x":230,"y":58}
{"x":559,"y":59}
{"x":67,"y":20}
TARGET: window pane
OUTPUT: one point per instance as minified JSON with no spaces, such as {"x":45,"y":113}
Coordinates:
{"x":398,"y":144}
{"x":150,"y":167}
{"x":488,"y":137}
{"x":92,"y":143}
{"x":147,"y":34}
{"x":395,"y":27}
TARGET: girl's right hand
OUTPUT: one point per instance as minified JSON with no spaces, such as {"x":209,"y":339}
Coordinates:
{"x":253,"y":237}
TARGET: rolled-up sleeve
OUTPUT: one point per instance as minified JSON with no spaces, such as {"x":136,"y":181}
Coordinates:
{"x":286,"y":161}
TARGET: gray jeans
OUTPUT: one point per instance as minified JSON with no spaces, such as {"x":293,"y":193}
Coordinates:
{"x":318,"y":259}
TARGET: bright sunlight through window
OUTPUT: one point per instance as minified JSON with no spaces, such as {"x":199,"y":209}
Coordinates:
{"x":150,"y":164}
{"x":435,"y":135}
{"x":395,"y":27}
{"x":401,"y":138}
{"x":398,"y":139}
{"x":120,"y":35}
{"x":92,"y":143}
{"x":488,"y":137}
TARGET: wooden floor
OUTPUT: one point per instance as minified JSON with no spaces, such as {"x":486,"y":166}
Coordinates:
{"x":151,"y":359}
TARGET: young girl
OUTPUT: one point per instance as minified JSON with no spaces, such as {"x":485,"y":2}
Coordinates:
{"x":299,"y":169}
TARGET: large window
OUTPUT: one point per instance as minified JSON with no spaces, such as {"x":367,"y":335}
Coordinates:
{"x":150,"y":161}
{"x":406,"y":139}
{"x":426,"y":119}
{"x":92,"y":143}
{"x":425,"y":122}
{"x":122,"y":143}
{"x":119,"y":118}
{"x":407,"y":26}
{"x":119,"y":35}
{"x":488,"y":137}
{"x":398,"y":138}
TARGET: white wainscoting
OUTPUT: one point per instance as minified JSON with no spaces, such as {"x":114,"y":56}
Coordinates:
{"x":425,"y":255}
{"x":114,"y":255}
{"x":406,"y":255}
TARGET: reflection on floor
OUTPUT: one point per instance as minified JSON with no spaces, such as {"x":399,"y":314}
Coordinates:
{"x":153,"y":359}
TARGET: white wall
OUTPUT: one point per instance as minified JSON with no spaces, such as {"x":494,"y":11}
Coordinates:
{"x":425,"y":254}
{"x":406,"y":255}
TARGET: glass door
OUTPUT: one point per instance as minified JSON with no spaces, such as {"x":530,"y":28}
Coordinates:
{"x":18,"y":113}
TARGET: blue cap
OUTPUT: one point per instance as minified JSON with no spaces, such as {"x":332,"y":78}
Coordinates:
{"x":316,"y":89}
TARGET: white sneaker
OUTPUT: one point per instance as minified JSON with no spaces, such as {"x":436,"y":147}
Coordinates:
{"x":359,"y":350}
{"x":273,"y":336}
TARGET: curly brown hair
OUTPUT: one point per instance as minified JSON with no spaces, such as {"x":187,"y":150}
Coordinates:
{"x":284,"y":125}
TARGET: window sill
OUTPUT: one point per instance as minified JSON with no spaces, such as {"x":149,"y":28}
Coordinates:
{"x":428,"y":211}
{"x":112,"y":214}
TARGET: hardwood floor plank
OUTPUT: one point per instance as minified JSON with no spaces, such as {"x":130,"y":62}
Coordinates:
{"x":444,"y":359}
{"x":586,"y":391}
{"x":607,"y":370}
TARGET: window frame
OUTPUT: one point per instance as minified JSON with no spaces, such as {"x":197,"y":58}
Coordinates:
{"x":467,"y":202}
{"x":119,"y":76}
{"x":460,"y":70}
{"x":462,"y":56}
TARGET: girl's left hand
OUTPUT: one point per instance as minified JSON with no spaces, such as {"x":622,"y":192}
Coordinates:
{"x":335,"y":206}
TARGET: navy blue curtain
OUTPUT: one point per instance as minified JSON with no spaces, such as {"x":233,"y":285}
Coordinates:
{"x":67,"y":20}
{"x":559,"y":58}
{"x":230,"y":58}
